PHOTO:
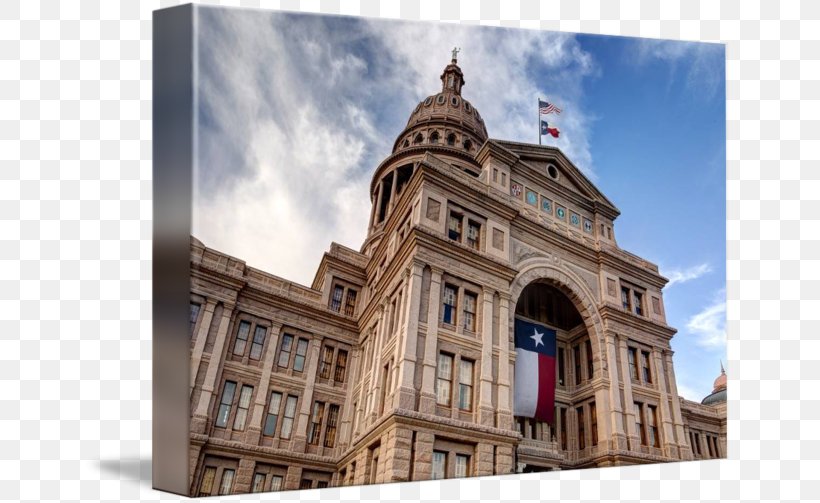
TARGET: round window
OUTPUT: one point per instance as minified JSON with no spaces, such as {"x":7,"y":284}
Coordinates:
{"x":552,"y":172}
{"x":467,"y":107}
{"x":454,"y":101}
{"x":440,"y":99}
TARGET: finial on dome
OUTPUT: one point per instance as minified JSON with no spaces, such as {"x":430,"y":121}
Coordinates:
{"x":721,"y":367}
{"x":452,"y":79}
{"x":456,"y":50}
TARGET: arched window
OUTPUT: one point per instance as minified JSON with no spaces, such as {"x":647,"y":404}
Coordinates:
{"x":451,"y":139}
{"x":434,"y":137}
{"x":419,"y":138}
{"x":468,"y":145}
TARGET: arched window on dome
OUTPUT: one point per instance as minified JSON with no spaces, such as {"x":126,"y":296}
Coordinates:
{"x":468,"y":145}
{"x":418,"y":139}
{"x":451,"y":139}
{"x":406,"y":143}
{"x":434,"y":137}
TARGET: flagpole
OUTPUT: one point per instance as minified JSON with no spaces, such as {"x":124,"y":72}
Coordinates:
{"x":539,"y":121}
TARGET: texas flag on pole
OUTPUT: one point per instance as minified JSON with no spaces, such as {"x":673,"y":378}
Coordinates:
{"x":550,"y":130}
{"x":534,"y":371}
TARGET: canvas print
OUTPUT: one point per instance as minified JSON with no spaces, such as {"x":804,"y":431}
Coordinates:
{"x":422,"y":251}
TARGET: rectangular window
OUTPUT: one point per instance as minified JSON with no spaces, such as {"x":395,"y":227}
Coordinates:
{"x":625,"y":298}
{"x":647,"y":374}
{"x":561,"y":364}
{"x":582,"y":441}
{"x":473,"y":234}
{"x":327,"y":362}
{"x":305,"y":484}
{"x":465,"y":385}
{"x":444,"y":380}
{"x":242,"y":338}
{"x":439,"y":465}
{"x":321,"y":484}
{"x":593,"y":418}
{"x":276,"y":483}
{"x":227,"y":482}
{"x":563,"y":416}
{"x":449,"y":308}
{"x":194,"y":315}
{"x":242,"y":410}
{"x":633,"y":368}
{"x":470,"y":301}
{"x":336,"y":298}
{"x":638,"y":304}
{"x":495,"y":175}
{"x":258,"y":483}
{"x":273,"y":413}
{"x":206,"y":487}
{"x":316,"y":423}
{"x":652,"y":419}
{"x":341,"y":366}
{"x":639,"y":422}
{"x":588,"y":348}
{"x":462,"y":465}
{"x":350,"y":302}
{"x":576,"y":356}
{"x":225,"y":404}
{"x":258,"y":342}
{"x":697,"y":443}
{"x":454,"y":226}
{"x":301,"y":351}
{"x":330,"y":428}
{"x":287,"y":420}
{"x":284,"y":352}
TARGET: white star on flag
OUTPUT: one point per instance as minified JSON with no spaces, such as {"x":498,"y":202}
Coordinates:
{"x":537,"y":337}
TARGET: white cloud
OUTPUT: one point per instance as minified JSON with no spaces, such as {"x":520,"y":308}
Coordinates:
{"x":688,"y":274}
{"x":689,"y":393}
{"x":704,"y":62}
{"x":709,"y":325}
{"x":296,"y":112}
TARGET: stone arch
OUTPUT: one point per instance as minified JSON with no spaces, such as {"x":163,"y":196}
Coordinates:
{"x":545,"y":270}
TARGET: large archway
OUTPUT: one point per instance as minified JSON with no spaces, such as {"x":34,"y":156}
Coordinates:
{"x":555,"y":298}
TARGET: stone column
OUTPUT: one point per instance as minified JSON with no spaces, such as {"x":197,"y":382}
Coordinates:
{"x":683,"y":443}
{"x":406,"y":396}
{"x":300,"y":435}
{"x":393,"y":189}
{"x":427,"y":400}
{"x":256,"y":423}
{"x":346,"y":425}
{"x":483,"y":460}
{"x":504,"y":407}
{"x":629,"y":407}
{"x":504,"y":460}
{"x":669,"y":445}
{"x":200,"y":418}
{"x":486,"y":413}
{"x":375,"y":373}
{"x":292,"y":478}
{"x":616,"y":408}
{"x":396,"y":454}
{"x":423,"y":465}
{"x":201,"y":338}
{"x":378,"y":205}
{"x":244,"y":476}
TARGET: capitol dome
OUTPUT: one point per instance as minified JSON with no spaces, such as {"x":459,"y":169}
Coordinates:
{"x":718,"y":394}
{"x":445,"y":120}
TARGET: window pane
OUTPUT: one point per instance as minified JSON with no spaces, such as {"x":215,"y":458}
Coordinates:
{"x":473,"y":233}
{"x":276,"y":483}
{"x":273,"y":413}
{"x":227,"y":482}
{"x":287,"y":421}
{"x":194,"y":315}
{"x":439,"y":465}
{"x":207,"y":485}
{"x":225,"y":404}
{"x":242,"y":338}
{"x":336,"y":299}
{"x":327,"y":362}
{"x":341,"y":366}
{"x":258,"y":342}
{"x":258,"y":483}
{"x":462,"y":465}
{"x":350,"y":302}
{"x":284,"y":354}
{"x":301,"y":351}
{"x":330,"y":430}
{"x":242,"y":411}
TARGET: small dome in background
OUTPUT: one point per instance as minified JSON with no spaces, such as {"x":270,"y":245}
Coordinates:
{"x":718,"y":394}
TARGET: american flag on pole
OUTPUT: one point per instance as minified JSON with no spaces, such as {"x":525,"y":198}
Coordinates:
{"x":545,"y":108}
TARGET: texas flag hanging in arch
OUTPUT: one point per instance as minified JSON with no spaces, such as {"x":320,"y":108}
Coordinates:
{"x":534,"y":371}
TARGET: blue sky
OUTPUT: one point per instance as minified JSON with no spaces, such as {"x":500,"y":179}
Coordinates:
{"x":302,"y":108}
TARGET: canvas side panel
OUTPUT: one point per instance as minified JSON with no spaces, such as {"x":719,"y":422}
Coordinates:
{"x":173,"y":102}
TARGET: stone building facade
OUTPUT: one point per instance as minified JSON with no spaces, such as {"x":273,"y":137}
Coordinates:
{"x":397,"y":362}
